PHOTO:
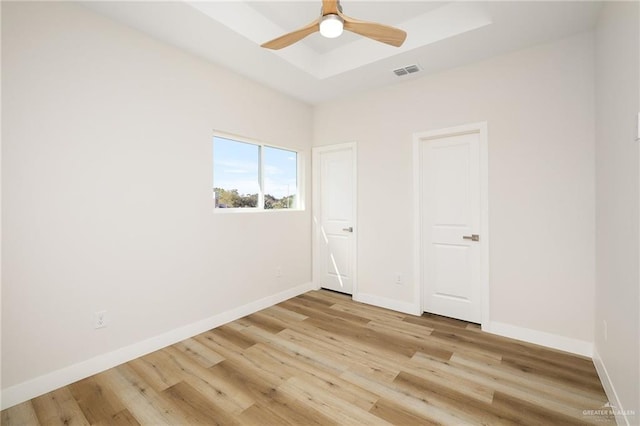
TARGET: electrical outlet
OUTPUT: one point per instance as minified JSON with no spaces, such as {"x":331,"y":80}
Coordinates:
{"x":100,"y":319}
{"x":278,"y":272}
{"x":398,"y":278}
{"x":605,"y":330}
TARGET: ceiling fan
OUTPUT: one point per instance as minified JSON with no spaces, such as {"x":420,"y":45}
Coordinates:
{"x":331,"y":23}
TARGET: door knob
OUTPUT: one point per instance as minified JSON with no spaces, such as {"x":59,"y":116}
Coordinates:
{"x":472,"y":237}
{"x":349,"y":229}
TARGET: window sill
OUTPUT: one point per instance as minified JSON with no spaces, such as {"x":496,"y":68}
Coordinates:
{"x":249,"y":211}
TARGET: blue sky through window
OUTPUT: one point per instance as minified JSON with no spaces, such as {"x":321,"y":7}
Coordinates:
{"x":236,"y":165}
{"x":280,"y":172}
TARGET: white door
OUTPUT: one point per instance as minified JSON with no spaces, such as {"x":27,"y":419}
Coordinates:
{"x":450,"y":190}
{"x":334,"y":217}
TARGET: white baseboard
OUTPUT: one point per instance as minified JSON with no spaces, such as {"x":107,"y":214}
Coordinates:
{"x":567,"y":344}
{"x":609,"y":389}
{"x":383,"y":302}
{"x":46,"y":383}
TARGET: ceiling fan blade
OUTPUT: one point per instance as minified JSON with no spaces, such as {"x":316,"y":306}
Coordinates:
{"x":292,"y":37}
{"x":383,"y":33}
{"x":329,"y":6}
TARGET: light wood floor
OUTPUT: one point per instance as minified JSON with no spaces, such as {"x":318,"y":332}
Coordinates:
{"x":322,"y":359}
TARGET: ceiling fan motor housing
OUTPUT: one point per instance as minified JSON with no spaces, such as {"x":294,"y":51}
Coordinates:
{"x":331,"y":25}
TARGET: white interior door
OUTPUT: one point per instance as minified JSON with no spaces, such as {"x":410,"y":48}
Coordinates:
{"x":334,"y":217}
{"x":451,"y":225}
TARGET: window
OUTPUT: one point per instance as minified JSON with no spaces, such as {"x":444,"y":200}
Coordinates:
{"x":253,"y":176}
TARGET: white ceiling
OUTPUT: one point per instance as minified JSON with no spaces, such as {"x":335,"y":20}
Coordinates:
{"x":441,"y":35}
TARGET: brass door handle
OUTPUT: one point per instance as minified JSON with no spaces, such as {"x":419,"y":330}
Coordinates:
{"x":472,"y":237}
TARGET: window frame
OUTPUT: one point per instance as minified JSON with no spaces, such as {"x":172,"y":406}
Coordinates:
{"x":300,"y":205}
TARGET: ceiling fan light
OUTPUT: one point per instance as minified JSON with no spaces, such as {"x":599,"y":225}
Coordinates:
{"x":331,"y":26}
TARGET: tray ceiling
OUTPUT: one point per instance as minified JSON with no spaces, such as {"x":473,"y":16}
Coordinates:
{"x":441,"y":35}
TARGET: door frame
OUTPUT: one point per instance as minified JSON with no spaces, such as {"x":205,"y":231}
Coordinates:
{"x":316,"y":211}
{"x":481,"y":129}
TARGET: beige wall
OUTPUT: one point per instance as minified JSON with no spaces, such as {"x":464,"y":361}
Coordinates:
{"x":107,"y":195}
{"x":618,"y":203}
{"x":539,"y":105}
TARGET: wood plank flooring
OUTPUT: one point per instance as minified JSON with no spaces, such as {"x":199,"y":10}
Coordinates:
{"x":322,"y":359}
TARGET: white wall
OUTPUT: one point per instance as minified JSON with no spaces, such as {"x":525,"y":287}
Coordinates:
{"x":618,"y":204}
{"x":539,"y":105}
{"x":107,"y":195}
